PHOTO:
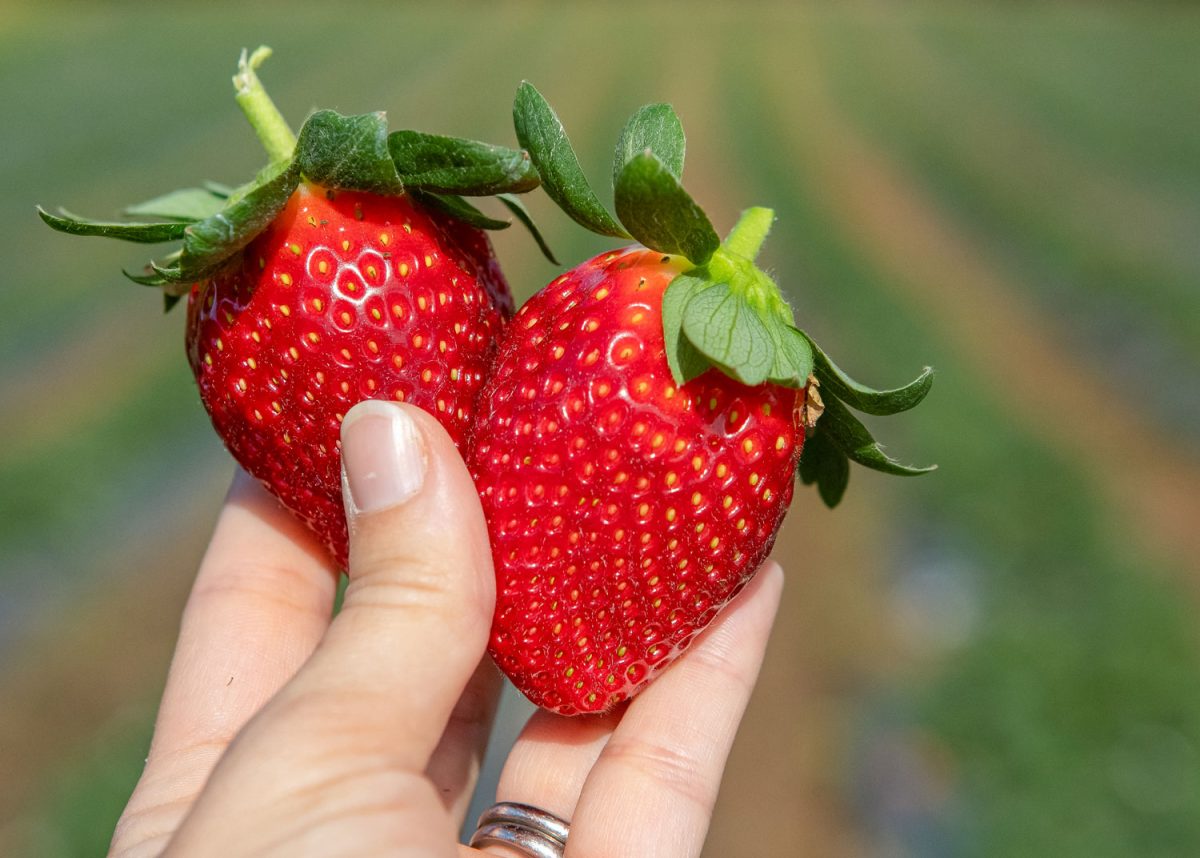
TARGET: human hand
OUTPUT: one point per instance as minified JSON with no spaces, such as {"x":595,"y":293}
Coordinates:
{"x":283,"y":733}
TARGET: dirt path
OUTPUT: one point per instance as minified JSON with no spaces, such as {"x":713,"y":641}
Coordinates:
{"x":1150,"y":483}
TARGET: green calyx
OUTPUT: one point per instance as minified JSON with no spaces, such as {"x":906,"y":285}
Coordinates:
{"x":338,"y":152}
{"x":725,"y":312}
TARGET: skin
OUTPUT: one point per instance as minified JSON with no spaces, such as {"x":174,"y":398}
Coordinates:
{"x":283,"y":733}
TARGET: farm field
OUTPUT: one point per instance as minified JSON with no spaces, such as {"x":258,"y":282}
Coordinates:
{"x":998,"y":659}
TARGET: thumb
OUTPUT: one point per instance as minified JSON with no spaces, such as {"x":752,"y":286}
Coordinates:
{"x":417,"y":611}
{"x":366,"y":711}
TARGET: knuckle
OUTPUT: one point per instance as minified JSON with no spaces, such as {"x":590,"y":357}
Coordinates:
{"x":412,"y":587}
{"x":376,"y":785}
{"x":144,"y":830}
{"x":668,"y":767}
{"x":716,"y":664}
{"x":400,"y":581}
{"x":261,"y":585}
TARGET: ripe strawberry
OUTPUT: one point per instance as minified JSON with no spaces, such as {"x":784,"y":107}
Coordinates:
{"x":636,"y":444}
{"x":625,"y":510}
{"x":349,"y":269}
{"x":346,"y":296}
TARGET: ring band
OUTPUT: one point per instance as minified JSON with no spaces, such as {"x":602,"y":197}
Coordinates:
{"x":528,"y":829}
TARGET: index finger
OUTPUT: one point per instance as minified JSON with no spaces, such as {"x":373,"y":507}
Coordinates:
{"x":261,"y":602}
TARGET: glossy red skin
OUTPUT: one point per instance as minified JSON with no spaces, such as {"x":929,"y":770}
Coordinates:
{"x":322,"y":312}
{"x":605,"y":486}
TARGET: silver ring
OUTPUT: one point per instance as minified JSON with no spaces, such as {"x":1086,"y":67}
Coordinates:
{"x":523,"y":827}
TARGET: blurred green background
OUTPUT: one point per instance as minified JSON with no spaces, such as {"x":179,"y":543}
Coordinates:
{"x":995,"y":660}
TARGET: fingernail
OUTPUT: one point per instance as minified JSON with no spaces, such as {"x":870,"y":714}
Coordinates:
{"x":383,"y":456}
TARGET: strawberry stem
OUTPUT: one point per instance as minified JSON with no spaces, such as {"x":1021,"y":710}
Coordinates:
{"x":748,"y":234}
{"x":266,"y":120}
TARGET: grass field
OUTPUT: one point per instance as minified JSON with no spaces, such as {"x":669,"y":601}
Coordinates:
{"x":996,"y":660}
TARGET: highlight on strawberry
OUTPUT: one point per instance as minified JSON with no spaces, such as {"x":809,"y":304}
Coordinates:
{"x":637,"y":442}
{"x":350,"y":267}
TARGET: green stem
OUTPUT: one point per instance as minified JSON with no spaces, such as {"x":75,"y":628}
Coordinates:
{"x":747,"y":236}
{"x":266,"y":120}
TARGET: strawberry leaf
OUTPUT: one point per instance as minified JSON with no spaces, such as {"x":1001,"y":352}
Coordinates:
{"x":452,"y":165}
{"x":659,"y":213}
{"x":854,"y":439}
{"x":867,"y":399}
{"x":207,"y":244}
{"x":348,"y":152}
{"x":460,"y":209}
{"x":144,"y":233}
{"x":188,"y":204}
{"x":517,"y":207}
{"x":793,"y":356}
{"x":730,"y":333}
{"x":541,"y":133}
{"x":821,"y":462}
{"x":684,"y":359}
{"x":151,"y":279}
{"x":154,"y":276}
{"x":657,"y":128}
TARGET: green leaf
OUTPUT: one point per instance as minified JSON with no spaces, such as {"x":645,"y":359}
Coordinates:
{"x":517,"y":207}
{"x":793,"y":356}
{"x":158,"y":279}
{"x":451,"y":165}
{"x":143,"y":233}
{"x":730,"y":333}
{"x":657,"y":128}
{"x":188,"y":204}
{"x":349,"y":152}
{"x":660,"y":214}
{"x":541,"y":134}
{"x":854,"y":439}
{"x":151,"y":279}
{"x":867,"y":399}
{"x":460,"y":209}
{"x":657,"y":210}
{"x":821,"y":462}
{"x":684,"y":359}
{"x":207,"y":244}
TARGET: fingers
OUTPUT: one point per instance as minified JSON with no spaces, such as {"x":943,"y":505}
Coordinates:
{"x":550,"y":761}
{"x":261,"y":601}
{"x":652,"y":789}
{"x":454,"y":765}
{"x":360,"y":721}
{"x":641,"y":780}
{"x":415,"y":619}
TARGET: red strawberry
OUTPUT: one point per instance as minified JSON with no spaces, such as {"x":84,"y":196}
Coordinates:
{"x":346,"y":296}
{"x":625,"y":510}
{"x":636,"y":444}
{"x":349,"y":269}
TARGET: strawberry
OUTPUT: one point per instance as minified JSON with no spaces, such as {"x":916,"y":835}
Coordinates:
{"x":349,"y":269}
{"x":637,"y":441}
{"x":625,"y":510}
{"x":346,"y":296}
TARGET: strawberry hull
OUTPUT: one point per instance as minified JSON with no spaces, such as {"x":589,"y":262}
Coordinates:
{"x":345,"y":296}
{"x":625,"y":511}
